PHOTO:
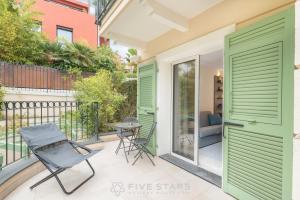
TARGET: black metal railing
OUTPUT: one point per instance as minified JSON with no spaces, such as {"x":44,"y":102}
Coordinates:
{"x":102,"y":8}
{"x":79,"y":121}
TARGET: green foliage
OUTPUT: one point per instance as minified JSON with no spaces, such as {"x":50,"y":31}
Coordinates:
{"x":51,"y":54}
{"x":67,"y":56}
{"x":18,"y":42}
{"x":100,"y":88}
{"x":105,"y":58}
{"x":131,"y":52}
{"x":2,"y":93}
{"x":128,"y":107}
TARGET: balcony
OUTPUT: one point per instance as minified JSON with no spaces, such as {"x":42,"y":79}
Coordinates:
{"x":115,"y":179}
{"x":103,"y":7}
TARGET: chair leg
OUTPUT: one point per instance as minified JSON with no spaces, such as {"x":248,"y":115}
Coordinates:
{"x":124,"y":149}
{"x":78,"y":186}
{"x":149,"y":151}
{"x":150,"y":159}
{"x":138,"y":148}
{"x":138,"y":157}
{"x":137,"y":153}
{"x":55,"y":174}
{"x":47,"y":178}
{"x":119,"y":146}
{"x":130,"y":144}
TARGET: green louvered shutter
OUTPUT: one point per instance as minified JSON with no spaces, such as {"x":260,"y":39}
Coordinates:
{"x":259,"y":110}
{"x":146,"y":108}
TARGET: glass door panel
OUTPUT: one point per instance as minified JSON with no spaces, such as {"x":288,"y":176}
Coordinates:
{"x":184,"y":109}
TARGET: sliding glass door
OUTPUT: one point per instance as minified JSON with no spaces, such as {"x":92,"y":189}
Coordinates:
{"x":185,"y":94}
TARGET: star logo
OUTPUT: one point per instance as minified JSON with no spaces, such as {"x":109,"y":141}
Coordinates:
{"x":117,"y":188}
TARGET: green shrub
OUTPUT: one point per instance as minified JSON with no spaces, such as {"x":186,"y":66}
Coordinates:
{"x":19,"y":43}
{"x":100,"y":88}
{"x":128,"y":107}
{"x":2,"y":93}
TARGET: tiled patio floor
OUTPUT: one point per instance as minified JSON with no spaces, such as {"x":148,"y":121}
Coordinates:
{"x":115,"y":179}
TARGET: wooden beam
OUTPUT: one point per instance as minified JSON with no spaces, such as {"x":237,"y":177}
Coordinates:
{"x":165,"y":16}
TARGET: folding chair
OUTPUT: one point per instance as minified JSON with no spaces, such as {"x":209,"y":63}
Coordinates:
{"x":126,"y":134}
{"x":56,"y":152}
{"x":141,"y":144}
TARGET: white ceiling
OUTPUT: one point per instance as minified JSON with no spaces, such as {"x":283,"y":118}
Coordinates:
{"x":188,"y":8}
{"x":134,"y":21}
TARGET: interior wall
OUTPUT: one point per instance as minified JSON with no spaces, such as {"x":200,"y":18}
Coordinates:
{"x":206,"y":99}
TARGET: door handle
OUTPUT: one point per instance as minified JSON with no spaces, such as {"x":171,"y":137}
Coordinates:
{"x":233,"y":124}
{"x":150,"y":113}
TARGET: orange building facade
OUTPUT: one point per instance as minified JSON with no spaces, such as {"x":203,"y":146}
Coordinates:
{"x":67,"y":17}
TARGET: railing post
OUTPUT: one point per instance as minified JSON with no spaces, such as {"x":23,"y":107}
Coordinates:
{"x":96,"y":108}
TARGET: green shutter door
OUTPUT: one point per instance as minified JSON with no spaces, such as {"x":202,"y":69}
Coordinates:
{"x":146,"y":108}
{"x":259,"y":109}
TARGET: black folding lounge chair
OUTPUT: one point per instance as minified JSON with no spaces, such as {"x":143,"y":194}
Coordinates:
{"x":141,"y":144}
{"x":55,"y":151}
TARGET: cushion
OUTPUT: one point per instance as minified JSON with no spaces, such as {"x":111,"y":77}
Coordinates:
{"x":210,"y":130}
{"x":214,"y":119}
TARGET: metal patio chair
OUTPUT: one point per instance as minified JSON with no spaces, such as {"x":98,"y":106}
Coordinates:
{"x":141,"y":144}
{"x":134,"y":135}
{"x":128,"y":134}
{"x":56,"y":152}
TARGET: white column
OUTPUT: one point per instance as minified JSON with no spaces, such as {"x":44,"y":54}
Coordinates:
{"x":297,"y":102}
{"x":297,"y":72}
{"x":297,"y":34}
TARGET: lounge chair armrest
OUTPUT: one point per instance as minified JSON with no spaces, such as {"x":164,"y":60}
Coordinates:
{"x":75,"y":144}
